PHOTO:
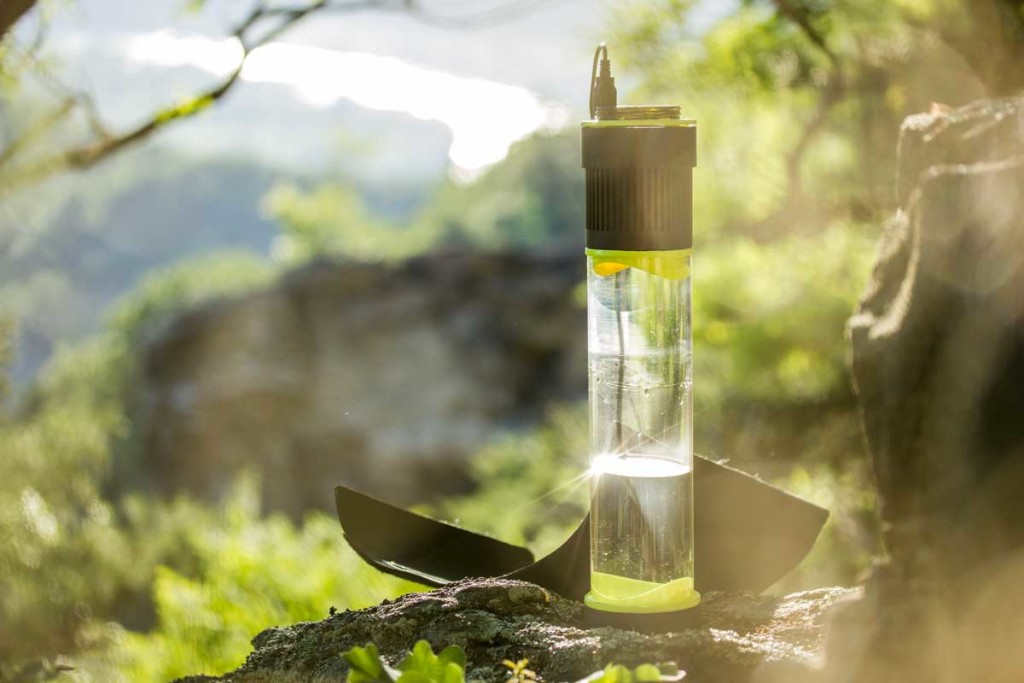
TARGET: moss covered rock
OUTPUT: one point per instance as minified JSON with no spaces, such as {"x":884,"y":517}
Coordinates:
{"x":729,"y":638}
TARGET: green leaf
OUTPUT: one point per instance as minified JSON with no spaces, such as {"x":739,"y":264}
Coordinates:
{"x":451,"y":673}
{"x":616,"y":673}
{"x":421,"y":659}
{"x":453,"y":654}
{"x":415,"y":677}
{"x":366,"y":665}
{"x":647,"y":672}
{"x":670,"y":672}
{"x":423,"y":666}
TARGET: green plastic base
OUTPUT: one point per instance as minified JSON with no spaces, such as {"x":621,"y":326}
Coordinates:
{"x":611,"y":593}
{"x":656,"y":622}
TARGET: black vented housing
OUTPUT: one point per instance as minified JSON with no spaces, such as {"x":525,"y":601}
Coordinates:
{"x":639,"y":185}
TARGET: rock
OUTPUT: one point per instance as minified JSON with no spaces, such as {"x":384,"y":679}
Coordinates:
{"x":384,"y":377}
{"x":938,"y":360}
{"x":494,"y":619}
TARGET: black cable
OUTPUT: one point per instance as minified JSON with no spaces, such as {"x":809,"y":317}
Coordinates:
{"x":602,"y":85}
{"x":593,"y":76}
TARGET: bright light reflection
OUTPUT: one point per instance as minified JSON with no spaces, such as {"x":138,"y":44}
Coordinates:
{"x":636,"y":466}
{"x":485,"y":118}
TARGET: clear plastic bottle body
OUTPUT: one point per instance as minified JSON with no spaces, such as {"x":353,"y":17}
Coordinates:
{"x":641,"y":437}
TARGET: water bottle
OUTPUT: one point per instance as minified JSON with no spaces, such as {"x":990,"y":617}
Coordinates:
{"x":639,"y":235}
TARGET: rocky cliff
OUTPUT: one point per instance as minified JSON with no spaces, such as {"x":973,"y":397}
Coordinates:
{"x":384,"y":377}
{"x":938,"y":357}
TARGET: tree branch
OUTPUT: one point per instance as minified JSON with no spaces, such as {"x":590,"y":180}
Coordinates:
{"x":280,"y":17}
{"x":89,"y":154}
{"x":786,"y":8}
{"x":11,"y":11}
{"x":795,"y":201}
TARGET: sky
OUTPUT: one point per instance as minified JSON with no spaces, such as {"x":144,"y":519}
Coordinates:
{"x":477,"y":90}
{"x":483,"y":117}
{"x":486,"y":87}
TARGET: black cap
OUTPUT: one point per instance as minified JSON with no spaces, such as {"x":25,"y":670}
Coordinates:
{"x":639,"y":178}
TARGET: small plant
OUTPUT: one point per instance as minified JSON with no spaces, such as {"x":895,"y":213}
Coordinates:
{"x":449,"y":666}
{"x":419,"y":666}
{"x":519,"y":673}
{"x":616,"y":673}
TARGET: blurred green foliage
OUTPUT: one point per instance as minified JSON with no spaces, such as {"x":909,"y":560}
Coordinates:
{"x":250,"y":573}
{"x":419,"y":666}
{"x":801,"y":100}
{"x":538,"y":479}
{"x":54,"y":520}
{"x":70,"y":555}
{"x":769,"y":317}
{"x":333,"y":220}
{"x":75,"y":564}
{"x":531,"y":200}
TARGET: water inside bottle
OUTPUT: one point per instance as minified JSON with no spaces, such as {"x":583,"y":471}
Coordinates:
{"x":640,"y":518}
